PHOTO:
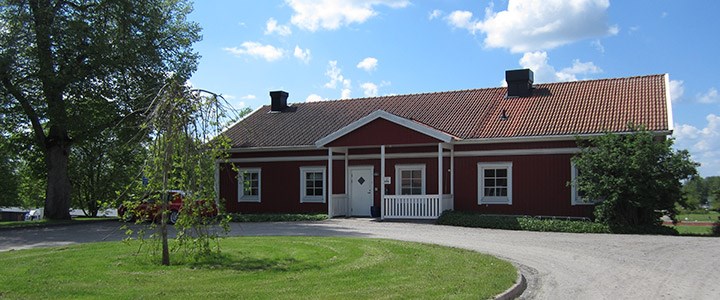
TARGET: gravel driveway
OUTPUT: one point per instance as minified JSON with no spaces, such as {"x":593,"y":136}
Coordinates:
{"x":557,"y":265}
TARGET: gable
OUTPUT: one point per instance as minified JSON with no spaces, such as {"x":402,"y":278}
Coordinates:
{"x":382,"y":132}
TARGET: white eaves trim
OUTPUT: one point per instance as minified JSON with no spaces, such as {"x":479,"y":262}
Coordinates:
{"x":669,"y":102}
{"x":434,"y":133}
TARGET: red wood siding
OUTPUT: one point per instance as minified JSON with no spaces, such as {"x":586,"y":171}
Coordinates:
{"x":539,"y":186}
{"x":381,"y":132}
{"x":279,"y":187}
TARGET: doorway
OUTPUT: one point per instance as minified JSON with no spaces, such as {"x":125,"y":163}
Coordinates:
{"x":361,"y":190}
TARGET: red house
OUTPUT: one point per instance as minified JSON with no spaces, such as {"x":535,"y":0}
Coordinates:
{"x":492,"y":150}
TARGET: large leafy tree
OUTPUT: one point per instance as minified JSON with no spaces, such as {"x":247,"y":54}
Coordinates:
{"x":63,"y":60}
{"x":634,"y":176}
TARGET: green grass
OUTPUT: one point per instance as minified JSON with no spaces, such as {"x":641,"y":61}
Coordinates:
{"x":692,"y":230}
{"x":711,"y":216}
{"x":45,"y":222}
{"x":259,"y":268}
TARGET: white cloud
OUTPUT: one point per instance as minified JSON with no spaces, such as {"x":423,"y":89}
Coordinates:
{"x":335,"y":75}
{"x":368,"y":64}
{"x":369,"y":89}
{"x":314,"y":98}
{"x":267,"y":52}
{"x":248,"y":97}
{"x":436,"y":13}
{"x":703,"y":144}
{"x":272,"y":27}
{"x":531,"y":25}
{"x":711,"y":96}
{"x":544,"y":72}
{"x":303,"y":55}
{"x":332,"y":14}
{"x":598,"y":46}
{"x":676,"y":89}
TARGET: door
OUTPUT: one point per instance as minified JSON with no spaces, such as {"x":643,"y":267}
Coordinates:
{"x":361,"y":191}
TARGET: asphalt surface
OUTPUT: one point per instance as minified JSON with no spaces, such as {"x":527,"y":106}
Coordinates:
{"x":557,"y":265}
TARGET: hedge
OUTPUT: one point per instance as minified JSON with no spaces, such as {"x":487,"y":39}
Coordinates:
{"x":277,"y":217}
{"x":527,"y":223}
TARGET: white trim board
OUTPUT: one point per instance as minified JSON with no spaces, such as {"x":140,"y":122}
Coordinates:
{"x":511,"y":152}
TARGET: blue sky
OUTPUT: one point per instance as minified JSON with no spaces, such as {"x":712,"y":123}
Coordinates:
{"x":334,"y":49}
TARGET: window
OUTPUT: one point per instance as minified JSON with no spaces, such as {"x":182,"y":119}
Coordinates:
{"x":577,"y":197}
{"x":249,"y":185}
{"x":410,"y":179}
{"x":495,"y":183}
{"x":312,"y":184}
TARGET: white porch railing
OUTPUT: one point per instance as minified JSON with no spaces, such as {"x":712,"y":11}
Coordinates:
{"x":339,"y":205}
{"x":415,"y":206}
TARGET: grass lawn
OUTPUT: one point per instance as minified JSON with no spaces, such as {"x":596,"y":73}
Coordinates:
{"x":259,"y":267}
{"x":692,"y":230}
{"x":36,"y":223}
{"x":711,"y":216}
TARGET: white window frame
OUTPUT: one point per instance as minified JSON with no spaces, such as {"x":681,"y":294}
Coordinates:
{"x":414,"y":167}
{"x":482,"y":199}
{"x":304,"y":198}
{"x":241,"y":187}
{"x":575,"y":198}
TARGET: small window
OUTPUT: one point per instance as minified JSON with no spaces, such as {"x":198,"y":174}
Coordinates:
{"x":249,"y":185}
{"x":495,"y":183}
{"x":577,"y":197}
{"x":410,"y":179}
{"x":312,"y":184}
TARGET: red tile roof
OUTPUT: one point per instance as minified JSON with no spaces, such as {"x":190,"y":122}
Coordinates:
{"x":565,"y":108}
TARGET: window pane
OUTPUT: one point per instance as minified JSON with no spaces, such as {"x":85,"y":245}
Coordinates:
{"x":416,"y":191}
{"x":318,"y":191}
{"x":489,"y":192}
{"x":416,"y":174}
{"x":405,"y":182}
{"x":501,"y":172}
{"x":501,"y":182}
{"x":318,"y":183}
{"x":489,"y":182}
{"x":416,"y":182}
{"x":489,"y":173}
{"x":502,"y":192}
{"x":405,"y":191}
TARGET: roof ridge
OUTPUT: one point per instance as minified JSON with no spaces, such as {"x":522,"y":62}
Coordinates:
{"x":473,"y":89}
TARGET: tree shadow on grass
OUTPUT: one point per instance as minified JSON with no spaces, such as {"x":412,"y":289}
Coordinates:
{"x":225,"y":261}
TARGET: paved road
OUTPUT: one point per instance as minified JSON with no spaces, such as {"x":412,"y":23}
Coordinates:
{"x":557,"y":265}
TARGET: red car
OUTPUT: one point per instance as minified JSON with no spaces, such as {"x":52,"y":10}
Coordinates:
{"x":151,"y":206}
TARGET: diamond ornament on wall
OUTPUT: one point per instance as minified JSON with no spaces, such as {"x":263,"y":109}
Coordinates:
{"x":361,"y":180}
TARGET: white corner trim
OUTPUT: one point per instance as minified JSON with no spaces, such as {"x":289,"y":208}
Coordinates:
{"x":426,"y":130}
{"x":668,"y":100}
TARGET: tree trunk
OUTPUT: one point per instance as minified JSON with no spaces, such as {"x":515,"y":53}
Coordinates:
{"x":57,"y":201}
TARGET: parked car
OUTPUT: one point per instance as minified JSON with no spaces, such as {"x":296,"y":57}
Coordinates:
{"x":150,"y":207}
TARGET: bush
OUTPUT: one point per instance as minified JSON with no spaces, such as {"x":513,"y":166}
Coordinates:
{"x":277,"y":217}
{"x":716,"y":228}
{"x":528,"y":223}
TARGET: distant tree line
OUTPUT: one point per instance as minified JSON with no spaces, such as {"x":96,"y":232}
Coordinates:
{"x":702,"y":193}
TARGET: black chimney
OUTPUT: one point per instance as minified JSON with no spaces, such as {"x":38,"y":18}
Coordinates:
{"x":519,"y":82}
{"x":278,"y":101}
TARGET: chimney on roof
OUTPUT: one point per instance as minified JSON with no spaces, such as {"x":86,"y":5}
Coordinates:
{"x":519,"y":82}
{"x":278,"y":101}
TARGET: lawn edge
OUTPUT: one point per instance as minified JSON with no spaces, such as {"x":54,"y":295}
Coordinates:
{"x":56,"y":224}
{"x":516,"y":290}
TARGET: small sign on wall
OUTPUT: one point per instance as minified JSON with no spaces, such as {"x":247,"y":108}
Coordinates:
{"x":386,"y":180}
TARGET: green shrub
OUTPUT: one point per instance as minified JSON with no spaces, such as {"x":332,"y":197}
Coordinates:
{"x":277,"y":217}
{"x":528,"y":223}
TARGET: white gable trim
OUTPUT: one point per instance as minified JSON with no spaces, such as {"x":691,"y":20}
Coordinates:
{"x":668,"y":100}
{"x":381,"y":114}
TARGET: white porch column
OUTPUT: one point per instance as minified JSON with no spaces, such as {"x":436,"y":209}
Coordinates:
{"x":330,"y":184}
{"x":452,"y":171}
{"x":382,"y":182}
{"x":440,"y":170}
{"x":347,"y":180}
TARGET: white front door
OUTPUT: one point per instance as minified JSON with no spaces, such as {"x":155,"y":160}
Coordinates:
{"x":361,"y":190}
